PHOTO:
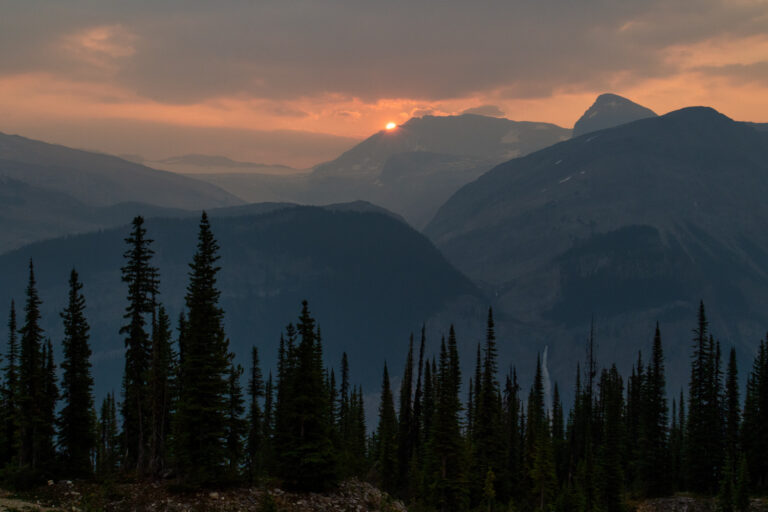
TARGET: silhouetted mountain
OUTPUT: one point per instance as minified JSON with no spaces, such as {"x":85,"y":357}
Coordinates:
{"x":610,"y":110}
{"x":369,"y":278}
{"x":410,"y":170}
{"x":632,"y":224}
{"x":30,"y":213}
{"x":101,"y":180}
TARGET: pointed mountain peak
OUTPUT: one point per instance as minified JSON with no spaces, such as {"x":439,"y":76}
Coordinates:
{"x":610,"y":110}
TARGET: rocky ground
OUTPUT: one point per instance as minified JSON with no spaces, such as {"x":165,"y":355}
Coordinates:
{"x":689,"y":504}
{"x":352,"y":496}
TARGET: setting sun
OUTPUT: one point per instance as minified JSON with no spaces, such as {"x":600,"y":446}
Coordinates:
{"x":391,"y":126}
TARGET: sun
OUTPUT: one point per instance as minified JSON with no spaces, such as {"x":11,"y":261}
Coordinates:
{"x":391,"y":126}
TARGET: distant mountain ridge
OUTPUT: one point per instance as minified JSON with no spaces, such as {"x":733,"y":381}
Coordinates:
{"x":632,"y":224}
{"x":610,"y":110}
{"x":369,"y":278}
{"x":51,"y":190}
{"x":102,"y":180}
{"x":410,"y":170}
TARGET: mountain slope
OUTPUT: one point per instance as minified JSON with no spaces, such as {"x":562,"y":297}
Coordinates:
{"x":410,"y":170}
{"x":369,"y":279}
{"x":610,"y":110}
{"x":102,"y":180}
{"x":632,"y":224}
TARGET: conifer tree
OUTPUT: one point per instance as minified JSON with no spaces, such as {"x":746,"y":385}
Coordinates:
{"x":445,"y":475}
{"x":307,"y":460}
{"x":10,"y":418}
{"x":653,"y":464}
{"x":406,"y":431}
{"x":386,"y":435}
{"x":255,"y":440}
{"x":510,"y":478}
{"x":106,"y":447}
{"x":201,"y":412}
{"x":268,"y":427}
{"x":50,"y":397}
{"x":76,"y":435}
{"x":141,"y":278}
{"x":487,"y":441}
{"x":612,"y":409}
{"x":704,"y":428}
{"x":236,"y":426}
{"x":732,"y":410}
{"x":755,"y":423}
{"x":32,"y":399}
{"x":161,"y":383}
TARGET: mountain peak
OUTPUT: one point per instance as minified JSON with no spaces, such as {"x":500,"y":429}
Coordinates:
{"x":610,"y":110}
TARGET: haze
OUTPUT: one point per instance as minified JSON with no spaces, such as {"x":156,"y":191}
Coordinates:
{"x":296,"y":83}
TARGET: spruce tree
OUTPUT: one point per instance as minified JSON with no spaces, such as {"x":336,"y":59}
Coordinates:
{"x":487,"y":441}
{"x":201,"y":412}
{"x":386,"y":435}
{"x":76,"y":435}
{"x":236,"y":427}
{"x":755,"y":423}
{"x":444,"y":464}
{"x":654,"y":456}
{"x":32,"y":399}
{"x":141,"y":278}
{"x":406,"y":431}
{"x":161,"y":385}
{"x":732,"y":407}
{"x":10,"y":418}
{"x":50,"y":397}
{"x":256,"y":430}
{"x":106,"y":447}
{"x":303,"y":436}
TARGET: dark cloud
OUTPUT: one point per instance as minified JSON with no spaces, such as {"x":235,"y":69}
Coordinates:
{"x":485,"y":110}
{"x":187,"y":51}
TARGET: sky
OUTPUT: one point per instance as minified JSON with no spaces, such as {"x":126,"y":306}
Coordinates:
{"x":297,"y":82}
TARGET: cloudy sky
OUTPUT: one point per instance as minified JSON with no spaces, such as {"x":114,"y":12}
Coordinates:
{"x":297,"y":82}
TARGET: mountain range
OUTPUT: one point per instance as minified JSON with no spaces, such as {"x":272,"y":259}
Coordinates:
{"x":52,"y":190}
{"x":410,"y":170}
{"x":633,"y":224}
{"x":369,"y":278}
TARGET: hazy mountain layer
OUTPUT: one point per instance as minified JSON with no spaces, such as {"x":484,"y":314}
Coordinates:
{"x":102,"y":180}
{"x":369,"y":278}
{"x":410,"y":170}
{"x":633,"y":224}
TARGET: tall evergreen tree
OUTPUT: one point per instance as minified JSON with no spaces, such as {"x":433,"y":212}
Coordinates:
{"x":236,"y":426}
{"x":755,"y":423}
{"x":200,"y":420}
{"x":386,"y":435}
{"x":307,"y":459}
{"x":445,"y":474}
{"x":31,"y":399}
{"x":255,"y":440}
{"x":50,"y":397}
{"x":162,"y":373}
{"x":76,"y":435}
{"x":654,"y":419}
{"x":704,"y":428}
{"x":106,"y":447}
{"x":732,"y":406}
{"x":10,"y":418}
{"x":406,"y":431}
{"x":488,"y":443}
{"x":141,"y":278}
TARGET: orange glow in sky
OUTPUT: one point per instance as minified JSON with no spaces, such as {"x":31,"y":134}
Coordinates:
{"x":88,"y":89}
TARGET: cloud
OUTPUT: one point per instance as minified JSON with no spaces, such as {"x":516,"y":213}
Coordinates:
{"x":192,"y":51}
{"x":485,"y":110}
